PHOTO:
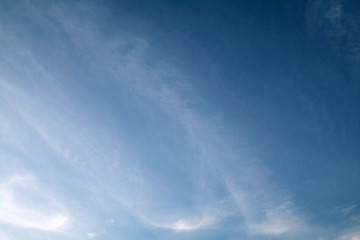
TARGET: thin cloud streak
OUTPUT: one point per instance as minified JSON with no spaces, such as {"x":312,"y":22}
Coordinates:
{"x":150,"y":85}
{"x":353,"y":234}
{"x":184,"y":224}
{"x":339,"y":25}
{"x":14,"y":212}
{"x":217,"y":157}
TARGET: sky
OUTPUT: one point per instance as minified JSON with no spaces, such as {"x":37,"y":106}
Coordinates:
{"x":180,"y":120}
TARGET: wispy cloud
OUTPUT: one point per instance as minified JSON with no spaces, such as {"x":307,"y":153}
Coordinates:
{"x":332,"y":20}
{"x":266,"y":210}
{"x":15,"y":210}
{"x":91,"y":235}
{"x":215,"y":179}
{"x":184,"y":224}
{"x":353,"y":234}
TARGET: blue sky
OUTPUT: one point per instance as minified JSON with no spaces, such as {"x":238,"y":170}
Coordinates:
{"x":180,"y":120}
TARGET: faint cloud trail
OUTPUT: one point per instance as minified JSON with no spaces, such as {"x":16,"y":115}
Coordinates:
{"x":265,"y":210}
{"x":340,"y":27}
{"x":217,"y":161}
{"x":13,"y":211}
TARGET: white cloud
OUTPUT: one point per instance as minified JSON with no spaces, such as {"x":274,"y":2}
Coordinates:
{"x":184,"y":224}
{"x":69,"y":134}
{"x":192,"y":224}
{"x":273,"y":215}
{"x":18,"y":213}
{"x":276,"y":222}
{"x":91,"y":235}
{"x":350,"y":235}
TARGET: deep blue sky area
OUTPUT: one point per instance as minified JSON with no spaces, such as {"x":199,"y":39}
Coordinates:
{"x":180,"y":120}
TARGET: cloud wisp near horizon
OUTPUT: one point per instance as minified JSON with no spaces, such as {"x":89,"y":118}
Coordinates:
{"x":119,"y":120}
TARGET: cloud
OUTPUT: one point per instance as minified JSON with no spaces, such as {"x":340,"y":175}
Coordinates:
{"x":6,"y":237}
{"x":184,"y":224}
{"x":91,"y":235}
{"x":216,"y":170}
{"x":265,"y":209}
{"x":277,"y":221}
{"x":192,"y":224}
{"x":340,"y":26}
{"x":19,"y":214}
{"x":273,"y":215}
{"x":348,"y":210}
{"x":350,"y":235}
